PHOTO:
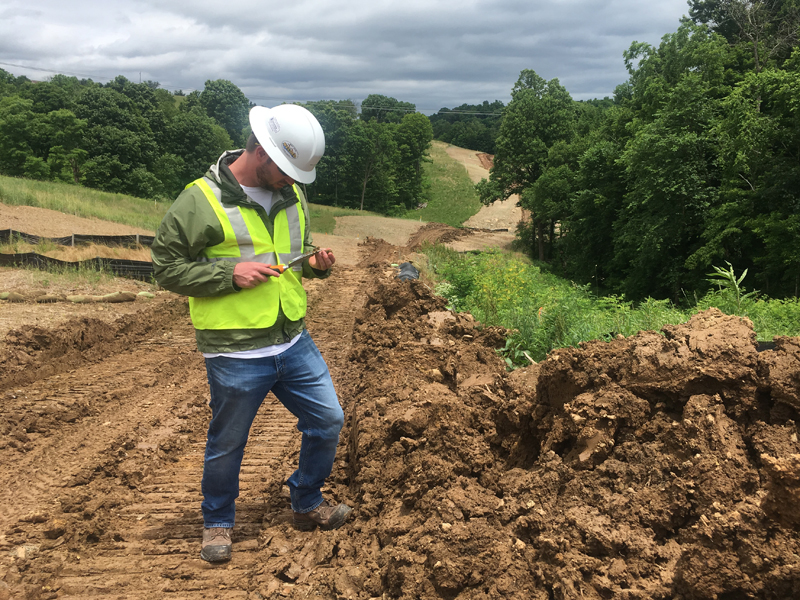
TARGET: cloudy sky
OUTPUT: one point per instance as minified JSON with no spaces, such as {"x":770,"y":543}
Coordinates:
{"x":433,"y":54}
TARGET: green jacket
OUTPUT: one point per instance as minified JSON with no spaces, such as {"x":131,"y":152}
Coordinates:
{"x":189,"y":226}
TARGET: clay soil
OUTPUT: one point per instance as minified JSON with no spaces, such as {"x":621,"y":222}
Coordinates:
{"x":664,"y":465}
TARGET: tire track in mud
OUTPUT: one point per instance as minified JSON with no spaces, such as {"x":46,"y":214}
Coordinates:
{"x":64,"y":427}
{"x":118,"y":462}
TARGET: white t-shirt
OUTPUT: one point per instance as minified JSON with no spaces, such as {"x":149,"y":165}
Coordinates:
{"x":260,"y":195}
{"x":264,"y":198}
{"x":258,"y":352}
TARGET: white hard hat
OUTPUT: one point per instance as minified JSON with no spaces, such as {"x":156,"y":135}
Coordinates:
{"x":292,"y":137}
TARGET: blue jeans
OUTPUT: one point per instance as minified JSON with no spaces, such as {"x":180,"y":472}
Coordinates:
{"x":299,"y":378}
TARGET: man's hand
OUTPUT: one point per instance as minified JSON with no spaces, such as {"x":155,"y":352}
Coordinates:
{"x":250,"y":274}
{"x":322,"y":260}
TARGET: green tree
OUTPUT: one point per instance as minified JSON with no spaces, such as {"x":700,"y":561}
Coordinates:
{"x":473,"y":126}
{"x":540,"y":114}
{"x":46,"y":97}
{"x":193,"y":142}
{"x":597,"y":201}
{"x":385,"y":109}
{"x":413,"y":137}
{"x":22,"y":138}
{"x":228,"y":106}
{"x":372,"y":151}
{"x":768,"y":28}
{"x":122,"y":148}
{"x":7,"y":87}
{"x":336,"y":119}
{"x":671,"y":162}
{"x":66,"y":156}
{"x":755,"y":225}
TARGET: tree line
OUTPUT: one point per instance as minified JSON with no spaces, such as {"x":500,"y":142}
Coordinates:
{"x":142,"y":140}
{"x":473,"y":126}
{"x":694,"y":163}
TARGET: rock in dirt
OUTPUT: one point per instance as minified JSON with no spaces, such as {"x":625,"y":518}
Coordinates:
{"x":118,"y":297}
{"x":16,"y":297}
{"x":783,"y":492}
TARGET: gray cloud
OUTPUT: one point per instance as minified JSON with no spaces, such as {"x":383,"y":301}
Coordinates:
{"x":432,"y":54}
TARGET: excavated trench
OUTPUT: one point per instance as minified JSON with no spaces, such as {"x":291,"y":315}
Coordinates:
{"x":657,"y":466}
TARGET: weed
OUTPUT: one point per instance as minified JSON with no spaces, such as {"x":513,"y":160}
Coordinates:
{"x":547,"y":312}
{"x":45,"y":245}
{"x":729,"y":291}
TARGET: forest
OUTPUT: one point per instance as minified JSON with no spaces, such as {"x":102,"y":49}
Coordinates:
{"x":694,"y":163}
{"x":142,"y":140}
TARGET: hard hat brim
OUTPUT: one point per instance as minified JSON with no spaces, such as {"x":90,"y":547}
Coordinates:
{"x":259,"y":119}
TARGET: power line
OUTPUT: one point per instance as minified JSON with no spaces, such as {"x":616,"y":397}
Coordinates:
{"x":58,"y":72}
{"x":98,"y":77}
{"x":436,"y":112}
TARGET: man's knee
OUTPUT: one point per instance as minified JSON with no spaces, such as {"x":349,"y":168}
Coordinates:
{"x":330,"y":422}
{"x":337,"y":419}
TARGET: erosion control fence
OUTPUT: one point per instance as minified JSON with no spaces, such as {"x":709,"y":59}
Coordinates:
{"x":132,"y":269}
{"x":8,"y":236}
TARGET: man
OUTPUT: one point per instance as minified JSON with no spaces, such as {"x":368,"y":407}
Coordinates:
{"x":222,"y":243}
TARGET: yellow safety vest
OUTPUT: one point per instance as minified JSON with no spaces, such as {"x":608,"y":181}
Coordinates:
{"x":247,"y":240}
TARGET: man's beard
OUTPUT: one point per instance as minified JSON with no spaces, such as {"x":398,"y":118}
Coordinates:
{"x":262,"y":175}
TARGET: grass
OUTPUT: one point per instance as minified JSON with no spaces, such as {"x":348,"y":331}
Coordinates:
{"x":546,"y":312}
{"x":80,"y":279}
{"x":82,"y":202}
{"x":451,"y":199}
{"x":120,"y":208}
{"x":323,"y":218}
{"x":451,"y":194}
{"x":78,"y":253}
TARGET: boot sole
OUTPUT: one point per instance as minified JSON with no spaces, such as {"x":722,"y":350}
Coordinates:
{"x":216,"y":556}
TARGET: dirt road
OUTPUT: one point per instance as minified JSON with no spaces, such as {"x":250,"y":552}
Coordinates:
{"x":499,"y":215}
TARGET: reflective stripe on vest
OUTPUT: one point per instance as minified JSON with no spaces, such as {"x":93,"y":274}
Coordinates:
{"x":246,"y":239}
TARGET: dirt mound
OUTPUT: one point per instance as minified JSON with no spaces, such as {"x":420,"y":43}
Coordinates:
{"x":378,"y":251}
{"x":487,"y":160}
{"x":435,"y":233}
{"x":32,"y":352}
{"x":649,"y":467}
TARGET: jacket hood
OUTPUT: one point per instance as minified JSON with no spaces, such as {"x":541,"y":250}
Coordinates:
{"x":215,"y":171}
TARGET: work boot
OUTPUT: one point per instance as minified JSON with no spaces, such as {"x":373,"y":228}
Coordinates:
{"x":216,"y":544}
{"x":326,"y":515}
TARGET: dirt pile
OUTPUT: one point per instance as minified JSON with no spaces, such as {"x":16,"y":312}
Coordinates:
{"x":648,"y":467}
{"x":435,"y":233}
{"x":487,"y":160}
{"x":31,"y":352}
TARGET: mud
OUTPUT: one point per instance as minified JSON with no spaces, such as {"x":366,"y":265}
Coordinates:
{"x":657,"y":466}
